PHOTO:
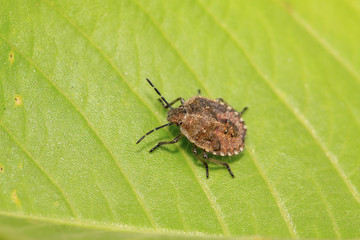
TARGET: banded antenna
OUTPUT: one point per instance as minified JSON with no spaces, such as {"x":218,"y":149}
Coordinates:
{"x":167,"y":104}
{"x":158,"y":92}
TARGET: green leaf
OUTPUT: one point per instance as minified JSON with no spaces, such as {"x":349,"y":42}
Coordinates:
{"x":74,"y":101}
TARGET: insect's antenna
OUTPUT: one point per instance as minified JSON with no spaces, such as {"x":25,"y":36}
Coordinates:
{"x":158,"y":92}
{"x":168,"y":124}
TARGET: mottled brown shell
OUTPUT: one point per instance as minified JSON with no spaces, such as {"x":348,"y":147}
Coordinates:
{"x":213,"y":126}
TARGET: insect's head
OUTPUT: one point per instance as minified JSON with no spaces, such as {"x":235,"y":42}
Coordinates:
{"x":176,"y":115}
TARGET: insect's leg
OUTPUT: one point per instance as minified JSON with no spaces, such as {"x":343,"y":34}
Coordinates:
{"x":178,"y":99}
{"x":199,"y":92}
{"x":203,"y":162}
{"x":216,"y":161}
{"x":242,"y":111}
{"x":221,"y":100}
{"x":169,"y":142}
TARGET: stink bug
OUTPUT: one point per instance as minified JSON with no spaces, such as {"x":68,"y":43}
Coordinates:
{"x":211,"y":125}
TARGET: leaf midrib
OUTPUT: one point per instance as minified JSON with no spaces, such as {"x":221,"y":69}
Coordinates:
{"x":101,"y":226}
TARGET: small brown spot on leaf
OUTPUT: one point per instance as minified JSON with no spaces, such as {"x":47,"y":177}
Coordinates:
{"x":11,"y":57}
{"x":18,"y":100}
{"x":2,"y":169}
{"x":56,"y":203}
{"x":15,"y":198}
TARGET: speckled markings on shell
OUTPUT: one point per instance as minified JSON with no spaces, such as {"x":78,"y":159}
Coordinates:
{"x":213,"y":126}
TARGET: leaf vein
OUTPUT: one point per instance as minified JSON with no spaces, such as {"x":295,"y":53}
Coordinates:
{"x":281,"y":205}
{"x":327,"y":46}
{"x":328,"y":209}
{"x":112,"y":227}
{"x":182,"y":58}
{"x":38,"y":165}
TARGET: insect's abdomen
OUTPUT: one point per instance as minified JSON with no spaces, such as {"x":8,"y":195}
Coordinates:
{"x":214,"y":127}
{"x":202,"y":132}
{"x":231,"y":133}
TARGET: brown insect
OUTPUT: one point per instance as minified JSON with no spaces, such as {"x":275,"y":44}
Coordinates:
{"x":211,"y":125}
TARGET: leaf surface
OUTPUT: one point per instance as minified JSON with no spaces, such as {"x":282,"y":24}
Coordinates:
{"x":74,"y":101}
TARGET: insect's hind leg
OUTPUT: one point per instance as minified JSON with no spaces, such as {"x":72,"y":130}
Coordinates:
{"x":216,"y":161}
{"x":242,"y":111}
{"x":175,"y":140}
{"x":203,"y":162}
{"x":223,"y":101}
{"x":176,"y":100}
